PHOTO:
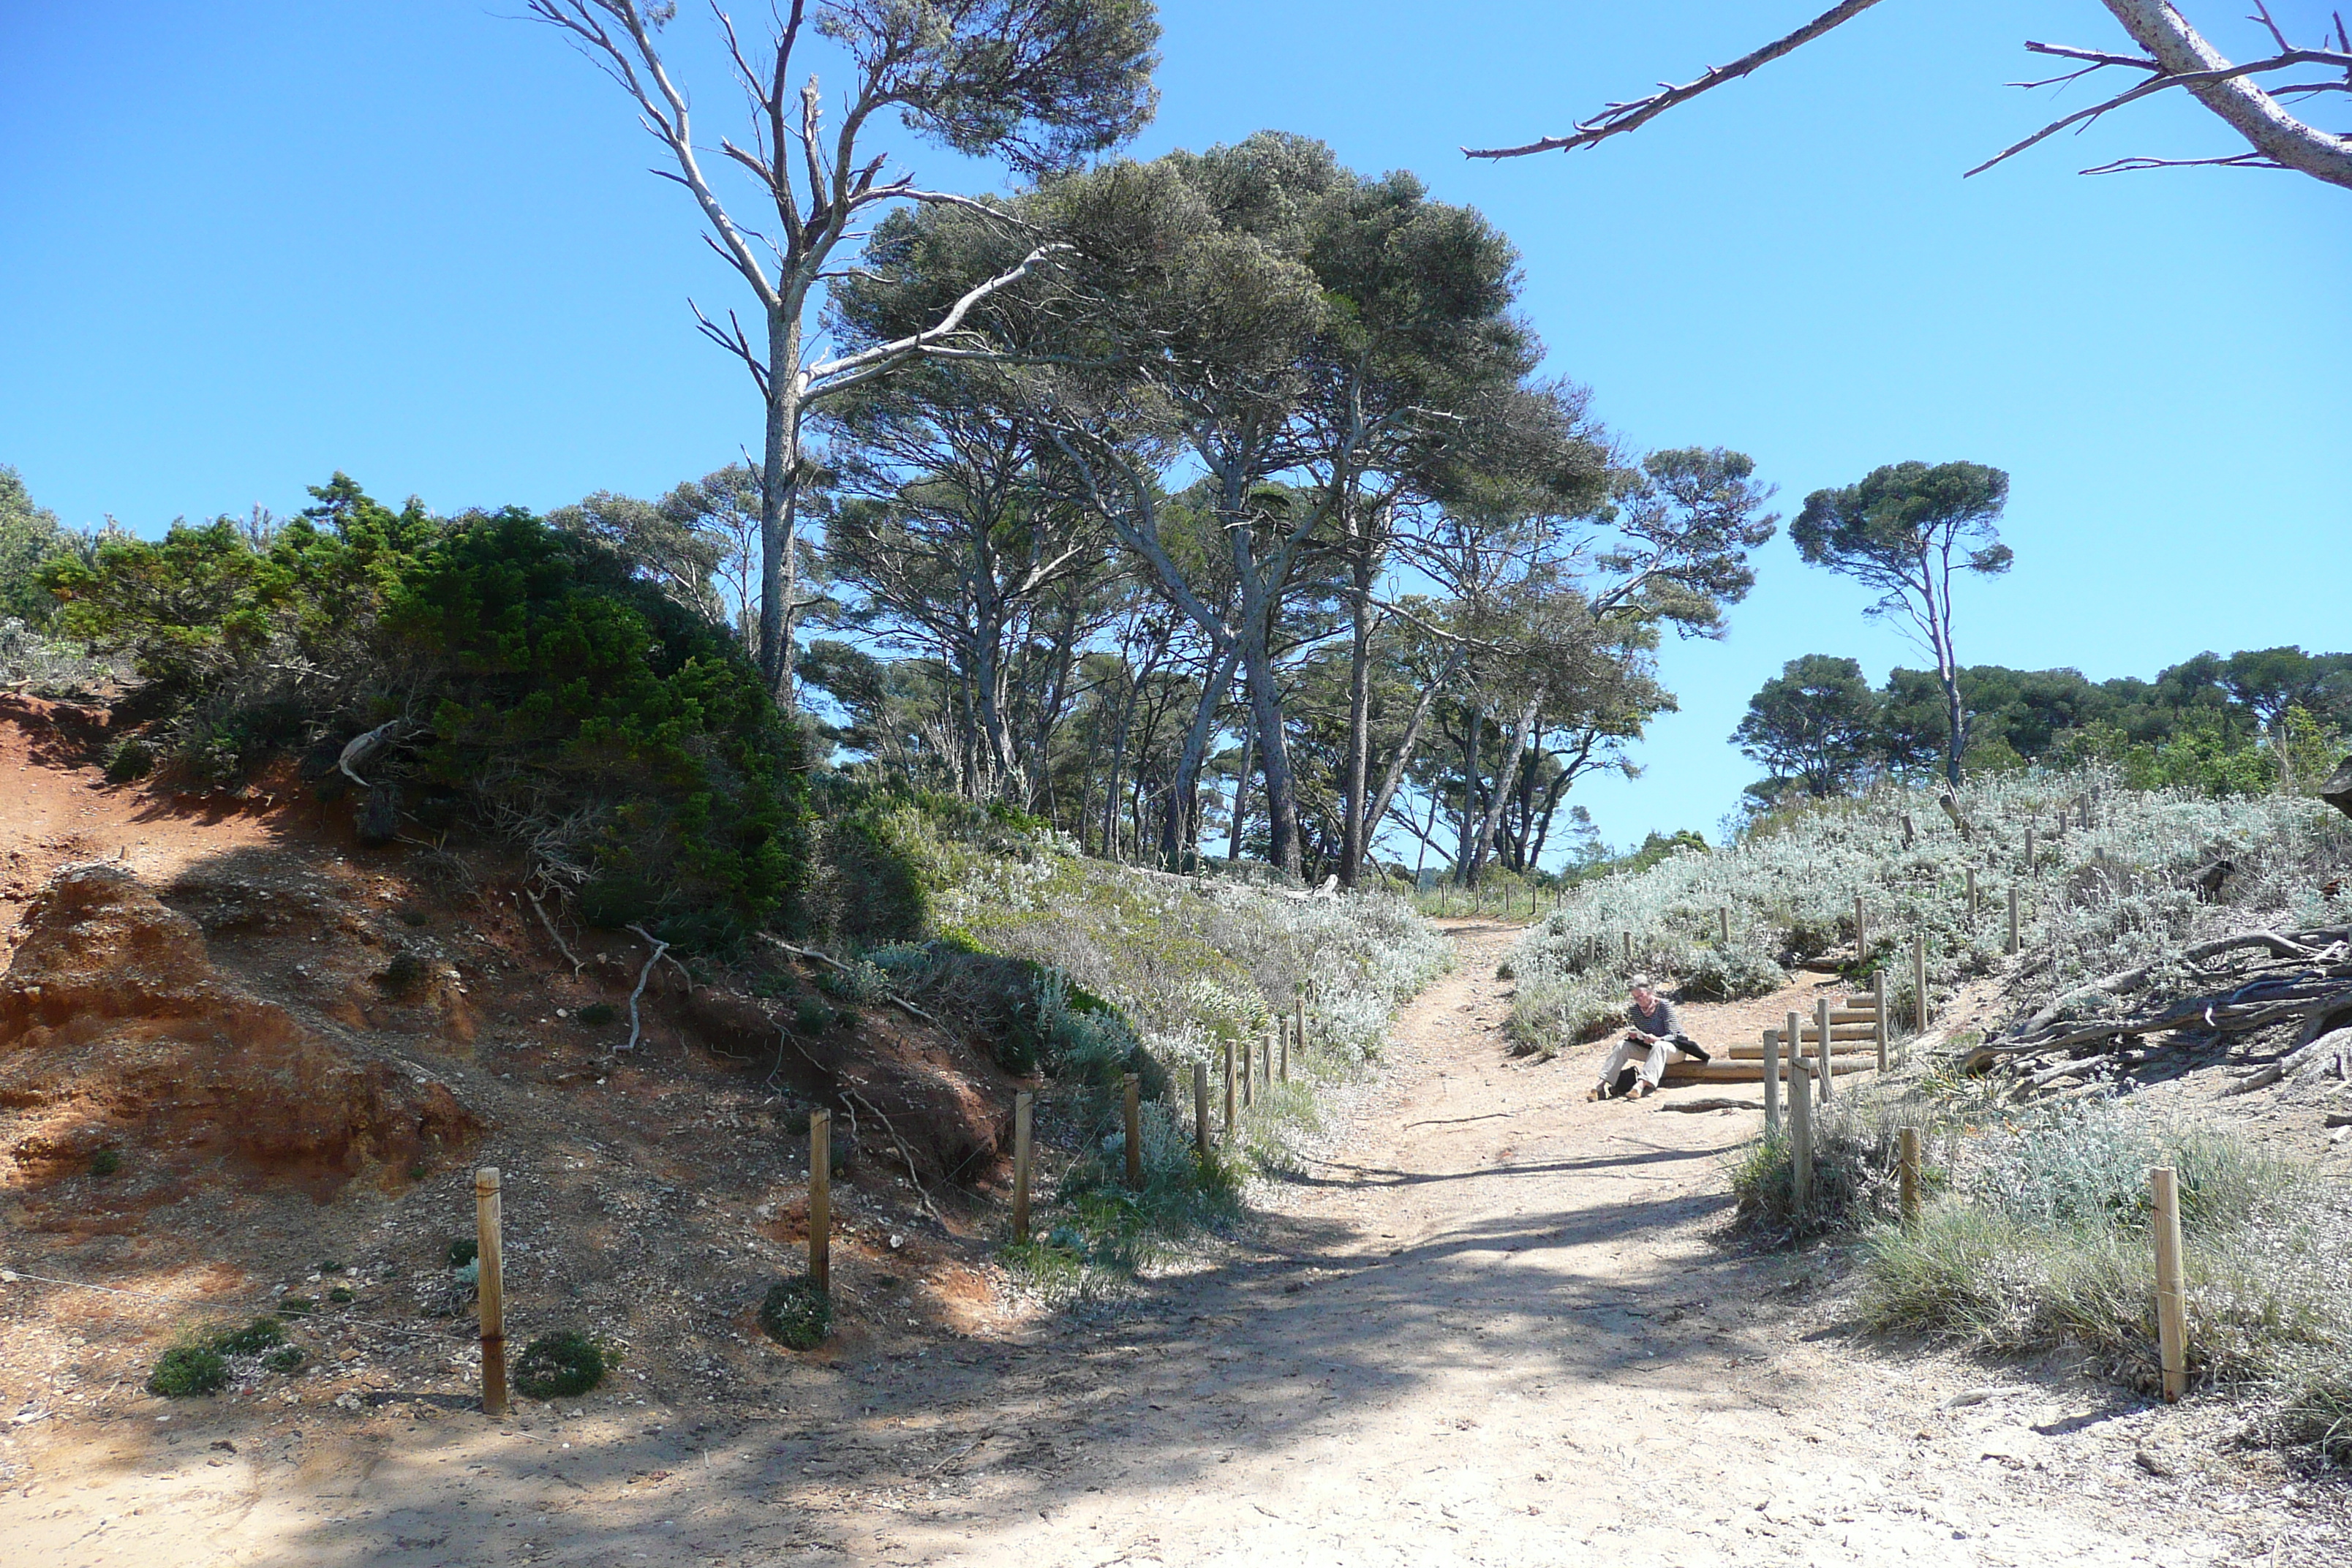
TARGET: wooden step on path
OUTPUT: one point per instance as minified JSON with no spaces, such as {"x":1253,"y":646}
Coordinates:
{"x":1837,"y":1032}
{"x":1721,"y":1071}
{"x":1813,"y":1050}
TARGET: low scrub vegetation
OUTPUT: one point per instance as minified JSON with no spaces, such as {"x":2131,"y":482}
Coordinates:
{"x":2120,"y":891}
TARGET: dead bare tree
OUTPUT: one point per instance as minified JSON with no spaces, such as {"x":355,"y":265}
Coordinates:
{"x":1040,"y":83}
{"x":2176,"y":54}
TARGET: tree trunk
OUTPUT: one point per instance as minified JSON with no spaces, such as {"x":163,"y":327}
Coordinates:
{"x":1463,"y":870}
{"x":778,"y":493}
{"x":1241,"y":792}
{"x":1512,"y":761}
{"x":1215,"y":683}
{"x":1274,"y":748}
{"x":1355,"y":829}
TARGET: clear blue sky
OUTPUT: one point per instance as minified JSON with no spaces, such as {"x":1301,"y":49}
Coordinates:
{"x":244,"y":246}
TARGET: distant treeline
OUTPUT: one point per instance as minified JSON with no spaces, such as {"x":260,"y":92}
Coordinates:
{"x":2240,"y":724}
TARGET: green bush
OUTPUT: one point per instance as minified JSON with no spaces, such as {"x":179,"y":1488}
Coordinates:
{"x":596,"y":1014}
{"x":131,"y":758}
{"x":261,"y":1335}
{"x":556,"y":1366}
{"x":187,"y":1370}
{"x":463,"y":1250}
{"x":572,"y":706}
{"x":106,"y":1161}
{"x":796,"y":1314}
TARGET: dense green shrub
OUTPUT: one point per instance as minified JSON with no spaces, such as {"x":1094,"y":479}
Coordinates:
{"x":796,"y":1314}
{"x":261,"y":1335}
{"x":625,"y":738}
{"x":187,"y":1370}
{"x":558,"y":1365}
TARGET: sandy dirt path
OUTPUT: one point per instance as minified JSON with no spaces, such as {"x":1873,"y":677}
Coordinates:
{"x":1497,"y":1324}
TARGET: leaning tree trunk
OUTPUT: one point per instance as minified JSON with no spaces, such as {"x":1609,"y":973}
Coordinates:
{"x":779,"y":492}
{"x":1185,"y":790}
{"x":1274,"y":749}
{"x":1355,"y":829}
{"x":1510,"y":762}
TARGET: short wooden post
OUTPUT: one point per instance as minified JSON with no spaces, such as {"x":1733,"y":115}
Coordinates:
{"x":1920,"y":975}
{"x":1200,"y":1110}
{"x":1878,"y":1015}
{"x":1861,"y":932}
{"x":820,"y":1213}
{"x":1822,"y":1049}
{"x":2029,"y":848}
{"x":1907,"y":834}
{"x":1907,"y":1171}
{"x":1298,"y":1018}
{"x":1282,"y":1073}
{"x":1800,"y":1135}
{"x":1024,"y":1114}
{"x":1249,"y":1073}
{"x":1723,"y":925}
{"x":1972,"y":898}
{"x":2012,"y":920}
{"x":1629,"y":949}
{"x":1131,"y":1088}
{"x":2172,"y":1301}
{"x":1229,"y":1093}
{"x":1776,"y":1053}
{"x":490,"y":1265}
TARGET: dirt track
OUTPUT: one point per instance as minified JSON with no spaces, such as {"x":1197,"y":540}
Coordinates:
{"x":1496,"y":1325}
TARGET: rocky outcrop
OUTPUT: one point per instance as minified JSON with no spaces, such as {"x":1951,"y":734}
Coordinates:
{"x":117,"y":1028}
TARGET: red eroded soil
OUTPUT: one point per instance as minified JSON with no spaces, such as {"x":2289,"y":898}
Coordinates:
{"x":235,"y":1046}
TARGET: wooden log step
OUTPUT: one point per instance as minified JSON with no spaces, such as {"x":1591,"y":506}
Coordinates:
{"x":1867,"y":1003}
{"x":1838,"y":1052}
{"x":1851,"y":1015}
{"x":1837,"y":1032}
{"x":1721,"y":1071}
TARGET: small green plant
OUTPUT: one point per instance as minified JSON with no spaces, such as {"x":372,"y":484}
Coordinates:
{"x":418,"y":1170}
{"x":106,"y":1161}
{"x":555,"y":1366}
{"x":414,"y":917}
{"x":261,"y":1335}
{"x":340,"y":1294}
{"x":811,"y":1017}
{"x":331,"y":1266}
{"x":131,"y":758}
{"x":187,"y":1370}
{"x":796,"y":1314}
{"x":289,"y":1358}
{"x":464,"y":1250}
{"x":297,"y":1305}
{"x":596,"y":1014}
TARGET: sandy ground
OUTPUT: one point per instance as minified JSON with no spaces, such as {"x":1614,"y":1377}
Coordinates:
{"x":1497,"y":1324}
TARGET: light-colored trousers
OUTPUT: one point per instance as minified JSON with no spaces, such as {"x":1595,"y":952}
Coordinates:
{"x":1659,"y":1052}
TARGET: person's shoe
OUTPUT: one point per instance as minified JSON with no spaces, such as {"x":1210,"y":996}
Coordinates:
{"x":1646,"y":1090}
{"x":1596,"y":1093}
{"x":1698,"y":1051}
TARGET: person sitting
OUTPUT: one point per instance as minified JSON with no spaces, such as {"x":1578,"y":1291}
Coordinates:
{"x":1655,"y":1034}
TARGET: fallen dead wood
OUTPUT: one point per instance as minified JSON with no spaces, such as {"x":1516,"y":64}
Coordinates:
{"x":815,"y":955}
{"x":1711,"y":1102}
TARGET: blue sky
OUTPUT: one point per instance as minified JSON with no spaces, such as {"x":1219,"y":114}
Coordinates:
{"x":244,"y":246}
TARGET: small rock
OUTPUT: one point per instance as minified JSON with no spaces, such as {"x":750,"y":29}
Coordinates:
{"x":2156,"y":1464}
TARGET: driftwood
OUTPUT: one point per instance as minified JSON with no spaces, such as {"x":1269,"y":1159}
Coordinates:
{"x":817,"y":956}
{"x":2337,"y":790}
{"x":362,"y":748}
{"x":1952,"y":809}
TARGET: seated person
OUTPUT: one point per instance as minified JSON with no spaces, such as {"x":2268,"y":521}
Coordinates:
{"x":1655,"y":1032}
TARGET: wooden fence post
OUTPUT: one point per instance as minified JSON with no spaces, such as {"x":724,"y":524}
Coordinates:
{"x":1907,"y":830}
{"x":2171,"y":1303}
{"x":1229,"y":1093}
{"x":1282,"y":1073}
{"x":1723,"y":925}
{"x":489,"y":1261}
{"x":1200,"y":1110}
{"x":1629,"y":949}
{"x":1299,"y":1002}
{"x":1249,"y":1073}
{"x":1132,"y":1087}
{"x":2012,"y":920}
{"x":1801,"y":1134}
{"x":1919,"y":974}
{"x":2029,"y":848}
{"x":1821,"y":1018}
{"x":1025,"y":1112}
{"x":1972,"y":898}
{"x":1907,"y":1171}
{"x":1776,"y":1052}
{"x":1861,"y":932}
{"x":1878,"y":1013}
{"x":819,"y":1215}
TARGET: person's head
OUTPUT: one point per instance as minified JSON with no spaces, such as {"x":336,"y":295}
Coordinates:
{"x":1644,"y":996}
